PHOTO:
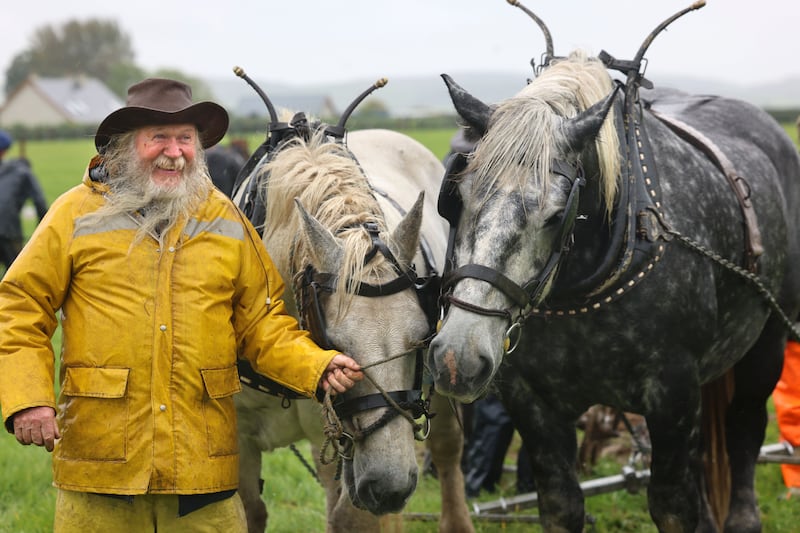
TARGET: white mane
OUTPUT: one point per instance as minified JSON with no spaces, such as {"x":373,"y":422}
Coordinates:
{"x":332,"y":187}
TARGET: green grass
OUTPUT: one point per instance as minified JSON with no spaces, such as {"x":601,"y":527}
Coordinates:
{"x":59,"y":165}
{"x":437,"y":141}
{"x":296,"y":502}
{"x":294,"y":499}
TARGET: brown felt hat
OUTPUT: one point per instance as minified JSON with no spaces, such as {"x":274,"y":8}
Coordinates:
{"x":158,"y":101}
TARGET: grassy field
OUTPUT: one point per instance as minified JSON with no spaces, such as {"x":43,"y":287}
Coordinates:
{"x":295,"y":501}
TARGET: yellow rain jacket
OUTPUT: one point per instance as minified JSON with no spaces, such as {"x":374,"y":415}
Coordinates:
{"x":150,"y":342}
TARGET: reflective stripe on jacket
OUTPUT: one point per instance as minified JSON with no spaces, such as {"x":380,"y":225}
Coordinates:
{"x":149,"y":345}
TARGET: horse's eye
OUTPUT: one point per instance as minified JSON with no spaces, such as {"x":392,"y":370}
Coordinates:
{"x":554,"y":220}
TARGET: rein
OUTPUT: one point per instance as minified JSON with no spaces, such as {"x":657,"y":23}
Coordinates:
{"x":408,"y":404}
{"x":746,"y":273}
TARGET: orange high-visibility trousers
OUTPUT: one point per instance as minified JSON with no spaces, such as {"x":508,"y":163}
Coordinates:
{"x":786,"y":398}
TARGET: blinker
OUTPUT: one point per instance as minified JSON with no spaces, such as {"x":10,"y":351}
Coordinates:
{"x":317,"y":325}
{"x":311,"y":315}
{"x":450,"y":203}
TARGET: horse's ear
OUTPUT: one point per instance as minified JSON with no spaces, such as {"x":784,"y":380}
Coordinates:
{"x":473,"y":111}
{"x":323,"y":248}
{"x":406,"y":235}
{"x":584,"y":127}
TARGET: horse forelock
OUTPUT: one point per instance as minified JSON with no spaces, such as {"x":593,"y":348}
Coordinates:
{"x":524,"y":133}
{"x":332,"y":187}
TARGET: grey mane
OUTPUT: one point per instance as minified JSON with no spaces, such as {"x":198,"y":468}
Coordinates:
{"x":522,"y":131}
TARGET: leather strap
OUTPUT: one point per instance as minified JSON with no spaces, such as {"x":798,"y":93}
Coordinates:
{"x":753,"y":245}
{"x":350,"y":407}
{"x":489,"y":275}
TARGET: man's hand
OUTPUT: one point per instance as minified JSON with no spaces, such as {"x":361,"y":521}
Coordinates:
{"x":36,"y":425}
{"x":341,"y":374}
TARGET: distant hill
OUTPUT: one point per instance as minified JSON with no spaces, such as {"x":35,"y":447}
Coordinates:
{"x":427,"y":95}
{"x":784,"y":94}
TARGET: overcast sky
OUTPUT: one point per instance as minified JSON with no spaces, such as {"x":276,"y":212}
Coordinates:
{"x":315,"y":41}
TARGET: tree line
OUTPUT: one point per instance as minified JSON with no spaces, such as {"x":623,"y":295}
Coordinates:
{"x":101,"y":49}
{"x":96,"y":48}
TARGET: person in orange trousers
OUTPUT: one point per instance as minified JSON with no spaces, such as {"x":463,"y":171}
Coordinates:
{"x":786,"y":398}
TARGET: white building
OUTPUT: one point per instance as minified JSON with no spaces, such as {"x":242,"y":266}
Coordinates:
{"x":40,"y":101}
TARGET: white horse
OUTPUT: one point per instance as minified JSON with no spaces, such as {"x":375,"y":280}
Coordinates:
{"x":351,"y":226}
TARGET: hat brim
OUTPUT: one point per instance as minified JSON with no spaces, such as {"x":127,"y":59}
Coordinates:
{"x":211,"y":120}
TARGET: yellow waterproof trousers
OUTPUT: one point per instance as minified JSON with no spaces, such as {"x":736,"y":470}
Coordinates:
{"x":786,"y":398}
{"x":81,"y":512}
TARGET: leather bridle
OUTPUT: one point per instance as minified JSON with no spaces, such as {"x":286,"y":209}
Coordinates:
{"x":528,"y":295}
{"x":310,"y":285}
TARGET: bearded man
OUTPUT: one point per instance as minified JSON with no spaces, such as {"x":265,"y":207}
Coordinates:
{"x":161,"y":283}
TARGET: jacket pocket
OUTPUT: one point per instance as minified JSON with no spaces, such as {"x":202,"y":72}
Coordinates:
{"x":219,"y":410}
{"x":94,"y":414}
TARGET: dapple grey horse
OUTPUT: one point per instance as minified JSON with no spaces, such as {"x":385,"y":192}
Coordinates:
{"x":636,"y":250}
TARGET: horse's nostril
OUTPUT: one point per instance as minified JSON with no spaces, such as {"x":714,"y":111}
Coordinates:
{"x":383,"y":494}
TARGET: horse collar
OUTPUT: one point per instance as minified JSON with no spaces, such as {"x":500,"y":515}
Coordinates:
{"x":638,"y":227}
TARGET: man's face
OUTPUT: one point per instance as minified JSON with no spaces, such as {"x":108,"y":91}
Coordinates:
{"x":167,"y":150}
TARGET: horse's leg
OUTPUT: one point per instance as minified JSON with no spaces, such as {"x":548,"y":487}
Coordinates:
{"x":263,"y":425}
{"x":746,"y":421}
{"x":446,"y":443}
{"x":250,"y":485}
{"x":673,"y":420}
{"x":552,"y":445}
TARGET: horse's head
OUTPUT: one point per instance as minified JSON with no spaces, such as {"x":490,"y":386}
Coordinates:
{"x":520,"y":196}
{"x":365,"y":278}
{"x":351,"y":265}
{"x":358,"y":296}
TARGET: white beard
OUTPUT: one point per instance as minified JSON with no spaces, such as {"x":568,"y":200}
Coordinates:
{"x":132,"y":191}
